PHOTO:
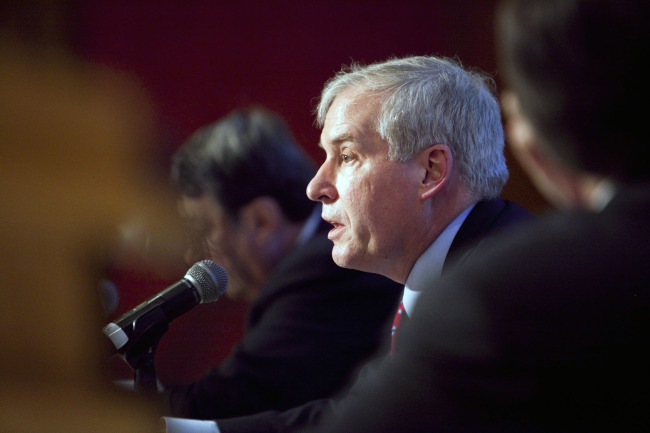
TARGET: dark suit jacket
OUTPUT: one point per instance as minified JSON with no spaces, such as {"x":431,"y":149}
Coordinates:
{"x":486,"y":219}
{"x":548,"y":332}
{"x":309,"y":329}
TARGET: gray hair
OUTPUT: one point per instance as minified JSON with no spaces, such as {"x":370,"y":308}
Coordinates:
{"x":428,"y":100}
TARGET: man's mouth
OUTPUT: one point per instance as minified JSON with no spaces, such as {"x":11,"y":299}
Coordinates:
{"x":334,"y":223}
{"x":335,"y":228}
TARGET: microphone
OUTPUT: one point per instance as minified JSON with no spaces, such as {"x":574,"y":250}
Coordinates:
{"x":204,"y":282}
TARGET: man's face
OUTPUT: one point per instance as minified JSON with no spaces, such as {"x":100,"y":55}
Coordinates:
{"x":365,"y":196}
{"x":220,"y":238}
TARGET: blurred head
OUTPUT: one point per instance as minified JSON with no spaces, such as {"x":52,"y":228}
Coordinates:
{"x":73,"y":174}
{"x":242,"y":182}
{"x":577,"y":86}
{"x":396,"y":134}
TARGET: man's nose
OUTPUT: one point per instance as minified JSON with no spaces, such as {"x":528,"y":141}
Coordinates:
{"x":195,"y":249}
{"x":321,"y":188}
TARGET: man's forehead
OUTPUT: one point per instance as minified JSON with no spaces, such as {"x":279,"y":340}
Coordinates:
{"x":354,"y":102}
{"x":195,"y":207}
{"x":352,"y":114}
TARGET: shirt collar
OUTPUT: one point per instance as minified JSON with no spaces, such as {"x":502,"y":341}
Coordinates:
{"x":429,"y":266}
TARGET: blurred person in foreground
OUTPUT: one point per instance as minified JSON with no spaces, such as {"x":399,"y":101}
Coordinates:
{"x":310,"y":323}
{"x":410,"y":185}
{"x":72,"y":177}
{"x":548,"y":331}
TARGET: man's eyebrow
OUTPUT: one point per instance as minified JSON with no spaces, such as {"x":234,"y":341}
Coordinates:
{"x":339,"y":139}
{"x":343,"y":138}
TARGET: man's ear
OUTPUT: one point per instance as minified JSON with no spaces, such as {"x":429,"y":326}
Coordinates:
{"x":436,"y":163}
{"x":261,"y":218}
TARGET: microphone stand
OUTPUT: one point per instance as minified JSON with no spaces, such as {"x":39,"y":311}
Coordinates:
{"x":147,"y":333}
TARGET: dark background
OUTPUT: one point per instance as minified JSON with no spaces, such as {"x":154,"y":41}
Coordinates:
{"x":197,"y":60}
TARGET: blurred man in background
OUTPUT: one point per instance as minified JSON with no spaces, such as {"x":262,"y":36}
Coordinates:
{"x":310,"y":323}
{"x":72,"y":177}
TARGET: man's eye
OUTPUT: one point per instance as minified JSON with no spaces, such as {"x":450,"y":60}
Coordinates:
{"x":346,"y":158}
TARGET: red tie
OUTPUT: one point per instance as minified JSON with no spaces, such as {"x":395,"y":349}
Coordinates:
{"x":399,"y":320}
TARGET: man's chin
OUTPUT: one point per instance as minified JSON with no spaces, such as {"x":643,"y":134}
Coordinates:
{"x":344,"y":259}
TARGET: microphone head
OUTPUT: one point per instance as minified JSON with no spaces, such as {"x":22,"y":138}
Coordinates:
{"x":210,"y":280}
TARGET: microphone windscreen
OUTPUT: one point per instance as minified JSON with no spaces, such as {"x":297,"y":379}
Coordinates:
{"x":210,"y":278}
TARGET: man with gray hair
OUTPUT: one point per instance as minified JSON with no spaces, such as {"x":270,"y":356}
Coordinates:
{"x":413,"y":169}
{"x":412,"y":145}
{"x":547,"y":332}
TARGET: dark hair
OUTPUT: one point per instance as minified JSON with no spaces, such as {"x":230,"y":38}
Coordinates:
{"x":579,"y":68}
{"x":248,"y":154}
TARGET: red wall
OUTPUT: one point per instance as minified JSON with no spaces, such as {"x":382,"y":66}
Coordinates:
{"x":198,"y":60}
